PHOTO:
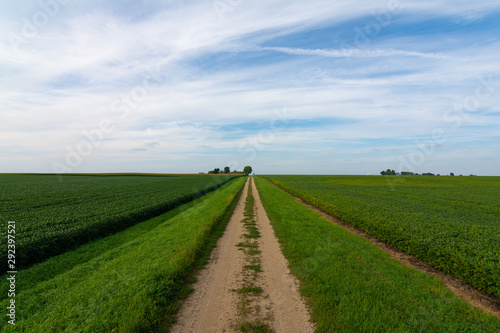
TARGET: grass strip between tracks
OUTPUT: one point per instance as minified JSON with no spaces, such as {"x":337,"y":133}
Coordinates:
{"x":130,"y":287}
{"x":353,"y":286}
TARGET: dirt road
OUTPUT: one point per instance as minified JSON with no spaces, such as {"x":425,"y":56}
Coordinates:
{"x":247,"y":283}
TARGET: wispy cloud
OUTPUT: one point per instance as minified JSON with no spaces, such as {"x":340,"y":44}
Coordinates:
{"x":185,"y":86}
{"x":344,"y":53}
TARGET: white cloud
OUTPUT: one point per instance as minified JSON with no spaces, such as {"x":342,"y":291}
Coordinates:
{"x":208,"y":71}
{"x":347,"y":53}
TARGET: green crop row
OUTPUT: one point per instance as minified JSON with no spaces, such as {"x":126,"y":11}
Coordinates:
{"x":56,"y":213}
{"x":128,"y":282}
{"x":453,"y":223}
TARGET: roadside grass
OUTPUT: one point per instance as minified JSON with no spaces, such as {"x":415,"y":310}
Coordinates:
{"x":29,"y":278}
{"x":130,"y":286}
{"x":352,"y":286}
{"x":170,"y":316}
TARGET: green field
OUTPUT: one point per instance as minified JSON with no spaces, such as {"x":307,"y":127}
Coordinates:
{"x":453,"y":223}
{"x":56,"y":213}
{"x":353,"y":286}
{"x":113,"y":253}
{"x":127,"y":282}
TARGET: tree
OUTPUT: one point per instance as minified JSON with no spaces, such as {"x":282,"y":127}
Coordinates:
{"x":227,"y":170}
{"x":216,"y":171}
{"x":388,"y":172}
{"x":452,"y":174}
{"x":248,"y":170}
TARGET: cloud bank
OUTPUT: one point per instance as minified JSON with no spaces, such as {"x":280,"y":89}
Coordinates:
{"x":285,"y":86}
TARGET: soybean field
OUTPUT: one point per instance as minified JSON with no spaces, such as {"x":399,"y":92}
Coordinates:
{"x":129,"y":281}
{"x":56,"y":213}
{"x":453,"y":223}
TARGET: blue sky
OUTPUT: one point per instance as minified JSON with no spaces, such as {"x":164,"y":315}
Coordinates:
{"x":299,"y":87}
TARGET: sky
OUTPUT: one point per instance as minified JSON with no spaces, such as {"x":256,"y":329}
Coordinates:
{"x":287,"y":87}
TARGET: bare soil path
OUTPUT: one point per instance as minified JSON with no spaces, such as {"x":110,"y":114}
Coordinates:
{"x":246,"y":282}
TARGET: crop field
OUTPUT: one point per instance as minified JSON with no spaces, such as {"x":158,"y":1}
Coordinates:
{"x":453,"y":223}
{"x":353,"y":286}
{"x":129,"y":281}
{"x":118,"y":253}
{"x":56,"y":214}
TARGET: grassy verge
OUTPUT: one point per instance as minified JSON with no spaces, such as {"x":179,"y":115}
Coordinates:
{"x":29,"y":278}
{"x":130,"y":286}
{"x":355,"y":287}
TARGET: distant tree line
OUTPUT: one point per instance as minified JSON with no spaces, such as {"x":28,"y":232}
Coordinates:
{"x":390,"y":172}
{"x":227,"y":170}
